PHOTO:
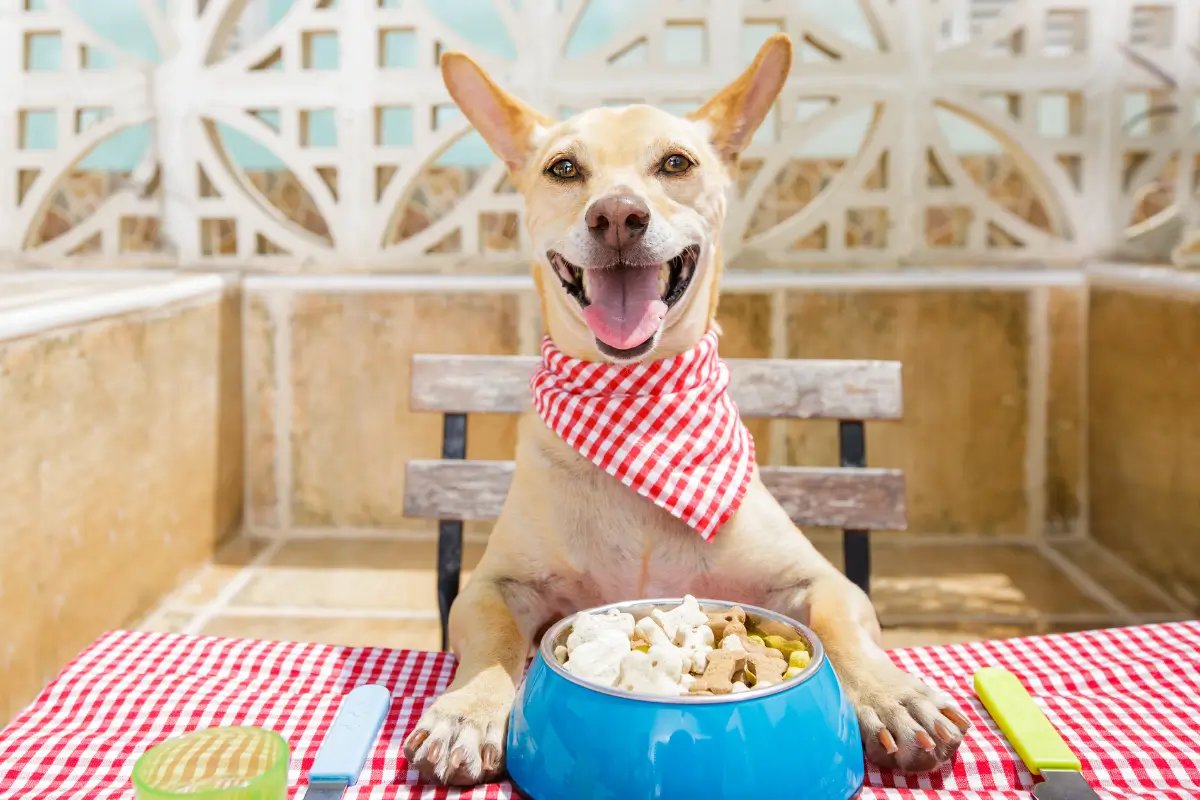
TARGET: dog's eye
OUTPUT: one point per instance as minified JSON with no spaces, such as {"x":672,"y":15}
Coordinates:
{"x":675,"y":164}
{"x":564,"y":169}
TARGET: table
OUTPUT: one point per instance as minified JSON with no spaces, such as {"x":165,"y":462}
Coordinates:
{"x":1128,"y":700}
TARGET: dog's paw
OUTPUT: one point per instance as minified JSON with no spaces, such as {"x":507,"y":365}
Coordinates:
{"x":906,"y":725}
{"x":459,"y":740}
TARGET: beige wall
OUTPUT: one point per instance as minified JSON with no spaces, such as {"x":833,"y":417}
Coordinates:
{"x":1144,"y":431}
{"x":329,"y":427}
{"x":120,"y":468}
{"x":991,"y":440}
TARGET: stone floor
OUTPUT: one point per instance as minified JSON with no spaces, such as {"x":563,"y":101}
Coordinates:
{"x":365,"y":591}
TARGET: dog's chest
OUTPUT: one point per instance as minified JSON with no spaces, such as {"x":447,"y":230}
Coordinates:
{"x":617,"y":544}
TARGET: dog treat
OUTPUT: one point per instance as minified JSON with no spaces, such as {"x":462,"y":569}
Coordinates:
{"x":751,"y":643}
{"x":786,"y":647}
{"x":733,"y":642}
{"x":695,"y":642}
{"x":588,"y":627}
{"x":687,"y":614}
{"x":718,"y":675}
{"x":681,"y":651}
{"x":598,"y":659}
{"x":718,"y":620}
{"x":691,"y":637}
{"x":765,"y":670}
{"x":656,"y":672}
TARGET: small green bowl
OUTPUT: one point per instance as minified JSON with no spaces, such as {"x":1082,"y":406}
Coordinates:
{"x":237,"y":763}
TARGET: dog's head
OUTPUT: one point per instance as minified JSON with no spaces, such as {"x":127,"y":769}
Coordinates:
{"x":624,"y":205}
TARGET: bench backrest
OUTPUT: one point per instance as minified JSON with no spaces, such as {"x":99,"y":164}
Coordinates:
{"x":837,"y":497}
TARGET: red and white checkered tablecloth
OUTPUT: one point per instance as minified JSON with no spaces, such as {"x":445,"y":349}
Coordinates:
{"x":1127,"y":700}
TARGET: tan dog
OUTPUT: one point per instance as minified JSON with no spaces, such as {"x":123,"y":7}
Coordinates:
{"x":624,"y":206}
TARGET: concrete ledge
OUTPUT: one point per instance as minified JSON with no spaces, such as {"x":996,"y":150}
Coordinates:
{"x":46,"y":301}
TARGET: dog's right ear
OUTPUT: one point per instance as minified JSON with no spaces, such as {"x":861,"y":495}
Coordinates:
{"x":509,"y":126}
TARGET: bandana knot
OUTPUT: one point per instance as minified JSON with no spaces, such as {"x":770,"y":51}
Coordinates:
{"x":666,"y":429}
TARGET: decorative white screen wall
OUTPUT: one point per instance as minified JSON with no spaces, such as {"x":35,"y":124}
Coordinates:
{"x":930,"y":132}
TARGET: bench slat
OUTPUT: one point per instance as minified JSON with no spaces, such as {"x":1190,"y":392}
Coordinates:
{"x":797,"y":389}
{"x":859,"y":499}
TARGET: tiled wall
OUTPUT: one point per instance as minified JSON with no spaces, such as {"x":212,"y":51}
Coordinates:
{"x":120,"y":468}
{"x":991,"y":440}
{"x":1144,"y":432}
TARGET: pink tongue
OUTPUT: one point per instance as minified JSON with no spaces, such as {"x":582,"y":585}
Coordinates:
{"x":625,"y":309}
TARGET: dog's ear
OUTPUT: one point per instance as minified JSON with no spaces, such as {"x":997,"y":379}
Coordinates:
{"x":735,"y":112}
{"x":506,"y":124}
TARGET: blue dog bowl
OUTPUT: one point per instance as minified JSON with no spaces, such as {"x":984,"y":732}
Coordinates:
{"x":573,"y":740}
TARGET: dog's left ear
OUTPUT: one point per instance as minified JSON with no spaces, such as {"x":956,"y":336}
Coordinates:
{"x":735,"y":112}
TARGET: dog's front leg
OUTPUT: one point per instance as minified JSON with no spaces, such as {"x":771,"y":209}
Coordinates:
{"x":460,"y":740}
{"x":905,"y":724}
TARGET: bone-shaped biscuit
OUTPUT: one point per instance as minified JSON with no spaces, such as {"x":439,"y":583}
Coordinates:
{"x":718,"y":674}
{"x":686,"y":614}
{"x":696,"y":642}
{"x":752,"y":645}
{"x":656,"y":672}
{"x":717,"y":621}
{"x":599,"y":659}
{"x":588,"y":627}
{"x":765,"y":670}
{"x":693,"y":648}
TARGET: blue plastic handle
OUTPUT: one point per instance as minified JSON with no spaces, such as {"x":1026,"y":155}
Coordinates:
{"x":341,"y":756}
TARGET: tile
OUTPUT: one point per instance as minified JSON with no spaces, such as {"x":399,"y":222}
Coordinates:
{"x":745,"y":321}
{"x":929,"y":582}
{"x":1065,"y":401}
{"x":961,"y":442}
{"x":351,"y":574}
{"x":1105,"y":569}
{"x":230,"y":559}
{"x":258,"y":354}
{"x":1144,"y":433}
{"x":409,"y":634}
{"x":352,"y":431}
{"x":164,"y":622}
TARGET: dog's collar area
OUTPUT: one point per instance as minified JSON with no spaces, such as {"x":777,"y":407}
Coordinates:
{"x":675,"y":279}
{"x":586,"y":403}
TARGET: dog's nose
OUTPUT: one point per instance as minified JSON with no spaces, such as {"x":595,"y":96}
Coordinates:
{"x":618,"y":219}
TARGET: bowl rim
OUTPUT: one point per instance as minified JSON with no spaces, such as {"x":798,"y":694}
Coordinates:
{"x":546,"y":651}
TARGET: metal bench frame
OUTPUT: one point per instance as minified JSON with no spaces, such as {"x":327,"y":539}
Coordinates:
{"x":854,"y":498}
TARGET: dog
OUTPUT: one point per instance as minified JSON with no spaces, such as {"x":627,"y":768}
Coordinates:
{"x":623,"y":208}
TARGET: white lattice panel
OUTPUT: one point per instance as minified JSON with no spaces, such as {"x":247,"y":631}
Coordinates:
{"x":977,"y":131}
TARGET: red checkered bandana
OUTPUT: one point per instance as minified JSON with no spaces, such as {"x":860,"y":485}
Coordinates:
{"x":666,"y":429}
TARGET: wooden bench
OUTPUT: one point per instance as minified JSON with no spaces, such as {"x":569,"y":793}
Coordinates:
{"x":851,"y":497}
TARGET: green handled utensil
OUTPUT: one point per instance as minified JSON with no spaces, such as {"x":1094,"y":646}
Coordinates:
{"x":1031,"y":734}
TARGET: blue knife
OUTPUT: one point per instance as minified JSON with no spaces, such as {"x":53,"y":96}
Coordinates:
{"x":341,"y":756}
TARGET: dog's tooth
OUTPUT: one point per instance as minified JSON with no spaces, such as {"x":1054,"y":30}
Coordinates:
{"x":664,"y":278}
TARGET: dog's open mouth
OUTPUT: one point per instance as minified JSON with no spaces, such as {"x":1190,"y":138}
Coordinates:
{"x":624,"y":305}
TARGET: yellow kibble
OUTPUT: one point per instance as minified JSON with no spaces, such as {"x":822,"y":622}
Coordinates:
{"x":792,"y":673}
{"x":758,"y":639}
{"x":799,"y":659}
